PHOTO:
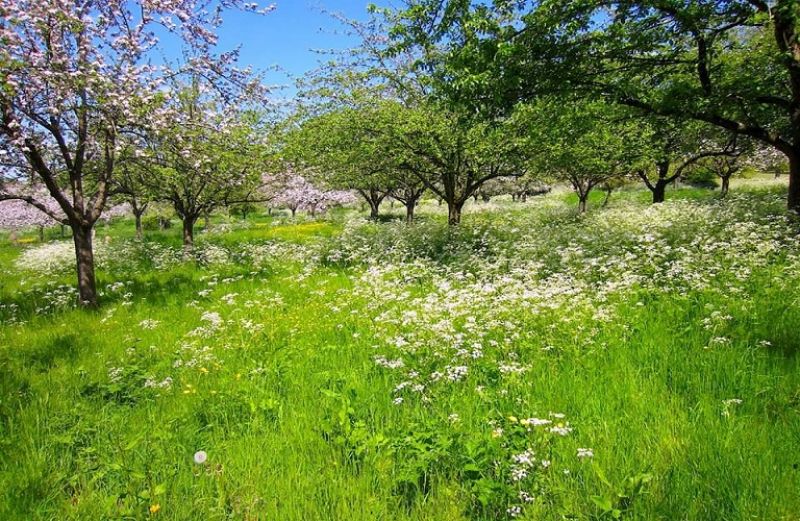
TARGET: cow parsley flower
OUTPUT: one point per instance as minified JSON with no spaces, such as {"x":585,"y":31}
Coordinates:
{"x":585,"y":453}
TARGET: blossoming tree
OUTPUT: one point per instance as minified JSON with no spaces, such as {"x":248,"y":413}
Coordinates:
{"x":300,"y":194}
{"x":74,"y":76}
{"x":17,"y":214}
{"x":210,"y":155}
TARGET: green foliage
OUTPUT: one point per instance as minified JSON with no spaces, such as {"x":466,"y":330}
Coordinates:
{"x":725,"y":64}
{"x":208,"y":157}
{"x":153,"y":222}
{"x":584,"y":144}
{"x":346,"y":432}
{"x":617,"y":503}
{"x":701,"y":178}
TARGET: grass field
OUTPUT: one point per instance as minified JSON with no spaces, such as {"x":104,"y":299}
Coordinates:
{"x":638,"y":362}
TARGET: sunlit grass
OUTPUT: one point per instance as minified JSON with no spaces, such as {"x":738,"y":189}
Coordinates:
{"x":269,"y":365}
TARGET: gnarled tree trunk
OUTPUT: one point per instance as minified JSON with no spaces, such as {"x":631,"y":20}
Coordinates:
{"x":410,"y":211}
{"x":582,"y":202}
{"x":374,"y":197}
{"x":84,"y":254}
{"x":374,"y":207}
{"x":139,"y":230}
{"x":608,"y":191}
{"x":454,"y":212}
{"x":726,"y":185}
{"x":659,"y":190}
{"x":188,"y":234}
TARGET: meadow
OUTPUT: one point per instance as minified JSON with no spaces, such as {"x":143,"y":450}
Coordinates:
{"x":636,"y":362}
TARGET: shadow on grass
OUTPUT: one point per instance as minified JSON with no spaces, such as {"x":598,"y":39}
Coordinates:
{"x":64,"y":347}
{"x":785,"y":339}
{"x":154,"y":288}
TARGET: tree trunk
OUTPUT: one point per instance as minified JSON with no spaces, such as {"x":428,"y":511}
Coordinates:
{"x":84,"y":256}
{"x":373,"y":209}
{"x":294,"y":211}
{"x":475,"y":196}
{"x":139,"y":231}
{"x":410,"y":204}
{"x":41,"y":233}
{"x":608,"y":197}
{"x":793,"y":200}
{"x":726,"y":185}
{"x":454,"y":212}
{"x":659,"y":191}
{"x":188,"y":235}
{"x":582,"y":203}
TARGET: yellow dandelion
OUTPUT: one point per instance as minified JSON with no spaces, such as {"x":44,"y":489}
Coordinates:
{"x":154,"y":509}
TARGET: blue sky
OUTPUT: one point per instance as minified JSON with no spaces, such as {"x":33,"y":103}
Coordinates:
{"x":287,"y":36}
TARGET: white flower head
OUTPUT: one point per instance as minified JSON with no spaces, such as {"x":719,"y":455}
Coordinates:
{"x":585,"y":453}
{"x":200,"y":457}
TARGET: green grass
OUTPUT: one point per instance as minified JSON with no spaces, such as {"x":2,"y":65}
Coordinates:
{"x":642,"y":347}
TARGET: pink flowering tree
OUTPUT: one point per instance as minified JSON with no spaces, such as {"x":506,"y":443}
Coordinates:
{"x":116,"y":211}
{"x":17,"y":214}
{"x":769,"y":161}
{"x":211,"y":155}
{"x":271,"y":186}
{"x":320,"y":201}
{"x":340,"y":198}
{"x":296,"y":194}
{"x":299,"y":194}
{"x":75,"y":78}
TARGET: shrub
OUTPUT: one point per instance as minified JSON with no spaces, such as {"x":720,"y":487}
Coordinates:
{"x":701,"y":178}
